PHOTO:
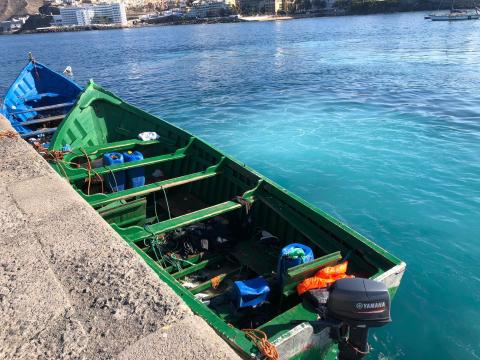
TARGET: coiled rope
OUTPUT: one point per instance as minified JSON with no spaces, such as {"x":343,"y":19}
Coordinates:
{"x":259,"y":338}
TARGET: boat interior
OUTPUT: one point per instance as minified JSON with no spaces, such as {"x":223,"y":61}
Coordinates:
{"x":38,"y":101}
{"x":206,"y":223}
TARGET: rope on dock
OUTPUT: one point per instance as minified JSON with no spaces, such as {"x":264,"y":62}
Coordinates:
{"x":55,"y":156}
{"x":259,"y":338}
{"x":49,"y":155}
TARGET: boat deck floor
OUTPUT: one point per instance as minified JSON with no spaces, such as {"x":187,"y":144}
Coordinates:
{"x":179,"y":203}
{"x":248,"y":258}
{"x":254,"y":256}
{"x":285,"y":321}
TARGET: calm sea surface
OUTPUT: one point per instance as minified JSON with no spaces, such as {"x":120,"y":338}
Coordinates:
{"x":375,"y":119}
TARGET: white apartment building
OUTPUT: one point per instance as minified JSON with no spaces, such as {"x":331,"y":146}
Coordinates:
{"x":94,"y":14}
{"x":13,"y":24}
{"x":74,"y":15}
{"x":114,"y":13}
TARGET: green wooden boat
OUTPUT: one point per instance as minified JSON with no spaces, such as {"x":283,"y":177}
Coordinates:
{"x":205,"y":222}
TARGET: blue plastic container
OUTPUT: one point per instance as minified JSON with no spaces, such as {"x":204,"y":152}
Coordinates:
{"x":115,"y":180}
{"x":66,"y":147}
{"x":286,"y":261}
{"x":136,"y":176}
{"x":250,"y":292}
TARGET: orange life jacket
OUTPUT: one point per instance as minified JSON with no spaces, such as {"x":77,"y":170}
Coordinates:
{"x":324,"y":277}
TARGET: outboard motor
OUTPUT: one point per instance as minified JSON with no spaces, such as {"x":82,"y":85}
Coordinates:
{"x":359,"y":304}
{"x":351,"y":307}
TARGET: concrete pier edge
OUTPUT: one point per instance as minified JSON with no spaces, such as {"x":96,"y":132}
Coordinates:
{"x":70,"y":287}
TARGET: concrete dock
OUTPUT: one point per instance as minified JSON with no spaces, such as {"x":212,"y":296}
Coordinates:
{"x":70,"y":287}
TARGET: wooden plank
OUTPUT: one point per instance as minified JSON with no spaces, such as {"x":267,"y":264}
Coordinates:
{"x":43,"y":108}
{"x":297,"y":274}
{"x":113,"y":146}
{"x":38,"y":132}
{"x":94,"y":152}
{"x":137,"y":233}
{"x":128,"y":214}
{"x":194,"y":217}
{"x":309,"y":268}
{"x":125,"y":166}
{"x":102,"y":199}
{"x":43,"y":120}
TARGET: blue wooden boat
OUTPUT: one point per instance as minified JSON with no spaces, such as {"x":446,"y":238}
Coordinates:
{"x":38,"y":100}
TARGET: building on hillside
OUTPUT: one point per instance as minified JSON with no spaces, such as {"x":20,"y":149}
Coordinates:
{"x":131,"y":3}
{"x":269,"y":6}
{"x":110,"y":13}
{"x":57,"y":20}
{"x":283,"y":6}
{"x":253,"y":7}
{"x":202,"y":9}
{"x":12,"y":25}
{"x":94,"y":14}
{"x":75,"y":15}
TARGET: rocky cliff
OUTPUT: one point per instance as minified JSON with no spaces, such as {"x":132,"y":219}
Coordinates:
{"x":9,"y":8}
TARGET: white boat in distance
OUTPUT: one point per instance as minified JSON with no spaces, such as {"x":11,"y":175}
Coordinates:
{"x":456,"y":15}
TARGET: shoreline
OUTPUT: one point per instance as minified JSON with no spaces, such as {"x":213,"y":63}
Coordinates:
{"x":217,"y":20}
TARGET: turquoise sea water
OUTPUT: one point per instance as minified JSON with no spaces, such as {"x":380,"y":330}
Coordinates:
{"x":375,"y":119}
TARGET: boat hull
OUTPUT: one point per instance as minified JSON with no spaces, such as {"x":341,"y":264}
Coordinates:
{"x":454,"y":17}
{"x":201,"y":186}
{"x":38,"y":94}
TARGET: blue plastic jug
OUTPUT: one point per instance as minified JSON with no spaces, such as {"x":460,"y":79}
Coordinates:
{"x":286,"y":260}
{"x":135,"y":176}
{"x":115,"y":180}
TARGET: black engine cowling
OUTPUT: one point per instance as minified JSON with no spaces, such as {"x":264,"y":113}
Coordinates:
{"x":350,"y":307}
{"x":359,"y":304}
{"x":359,"y":301}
